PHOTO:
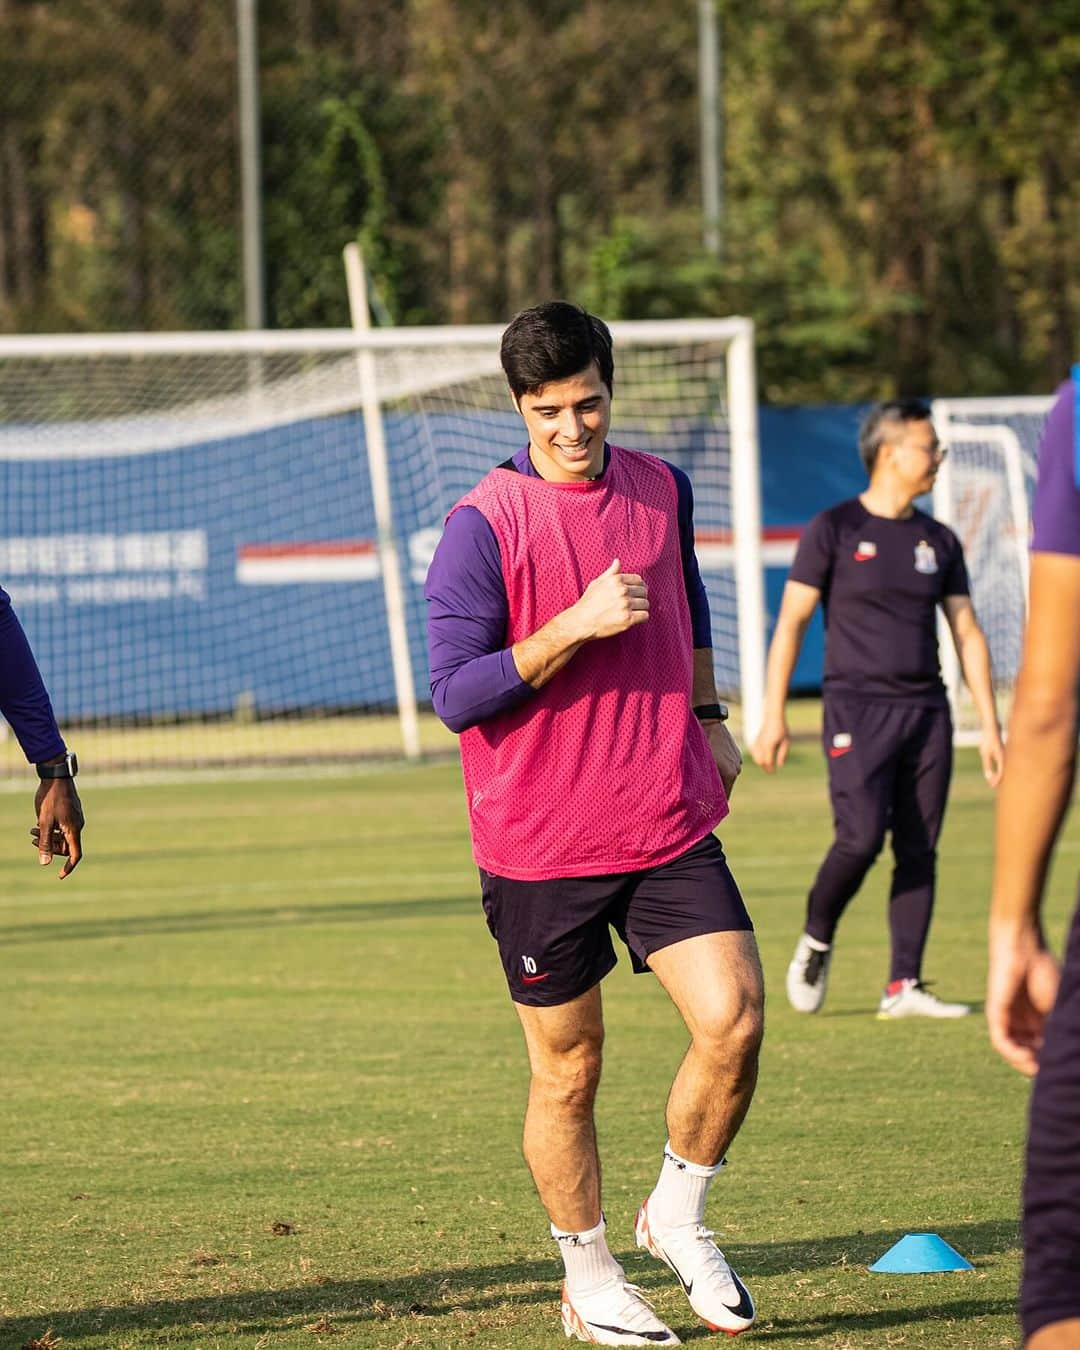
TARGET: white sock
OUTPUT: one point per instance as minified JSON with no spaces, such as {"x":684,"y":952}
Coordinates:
{"x":816,"y":943}
{"x":588,"y":1262}
{"x":678,"y":1197}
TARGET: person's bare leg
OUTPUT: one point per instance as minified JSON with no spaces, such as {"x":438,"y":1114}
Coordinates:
{"x":1057,"y":1336}
{"x":715,"y":981}
{"x":559,"y":1144}
{"x":598,"y":1304}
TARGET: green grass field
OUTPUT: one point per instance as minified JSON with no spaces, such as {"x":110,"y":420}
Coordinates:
{"x":263,"y":1086}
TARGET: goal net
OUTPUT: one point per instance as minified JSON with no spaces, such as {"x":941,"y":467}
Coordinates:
{"x":984,"y":491}
{"x":217,"y":542}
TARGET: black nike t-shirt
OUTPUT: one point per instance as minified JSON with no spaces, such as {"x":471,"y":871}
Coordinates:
{"x":881,"y":581}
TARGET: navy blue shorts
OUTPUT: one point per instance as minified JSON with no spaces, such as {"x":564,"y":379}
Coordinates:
{"x":1050,"y":1289}
{"x":554,"y":938}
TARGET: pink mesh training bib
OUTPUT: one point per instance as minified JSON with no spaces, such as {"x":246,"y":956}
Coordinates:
{"x":606,"y":769}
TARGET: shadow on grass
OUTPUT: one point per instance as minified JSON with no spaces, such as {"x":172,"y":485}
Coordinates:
{"x":418,"y":1299}
{"x":857,"y":1250}
{"x":212,"y":920}
{"x":409,"y":1299}
{"x":851,"y":1323}
{"x":804,"y":1329}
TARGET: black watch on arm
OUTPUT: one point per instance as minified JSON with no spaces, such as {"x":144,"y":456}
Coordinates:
{"x":711,"y":712}
{"x":67,"y":767}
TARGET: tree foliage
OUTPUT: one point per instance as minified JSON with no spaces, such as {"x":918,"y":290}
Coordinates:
{"x":899,"y":174}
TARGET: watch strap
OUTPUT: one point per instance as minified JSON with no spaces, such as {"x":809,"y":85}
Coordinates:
{"x":67,"y":767}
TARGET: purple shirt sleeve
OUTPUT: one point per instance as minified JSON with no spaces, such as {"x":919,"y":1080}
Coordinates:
{"x":1056,"y":513}
{"x":23,"y":698}
{"x":700,"y":620}
{"x":473,"y":675}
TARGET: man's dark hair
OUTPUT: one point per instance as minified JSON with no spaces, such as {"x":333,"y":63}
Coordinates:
{"x":552,"y":342}
{"x":883,"y":421}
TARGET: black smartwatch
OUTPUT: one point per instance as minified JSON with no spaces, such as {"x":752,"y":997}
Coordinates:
{"x":67,"y":767}
{"x":711,"y":712}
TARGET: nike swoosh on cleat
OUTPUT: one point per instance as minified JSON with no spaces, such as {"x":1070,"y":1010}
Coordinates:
{"x":659,"y":1336}
{"x":686,"y":1287}
{"x":745,"y":1305}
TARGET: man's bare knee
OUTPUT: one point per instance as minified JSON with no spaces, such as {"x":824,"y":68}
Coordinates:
{"x":730,"y":1033}
{"x":568,"y":1080}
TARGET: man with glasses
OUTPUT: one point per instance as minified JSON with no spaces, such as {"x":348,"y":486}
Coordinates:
{"x":881,"y":567}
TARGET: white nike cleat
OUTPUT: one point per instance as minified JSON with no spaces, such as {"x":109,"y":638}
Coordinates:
{"x":715,"y":1292}
{"x":913,"y":999}
{"x":616,"y":1313}
{"x":808,"y":975}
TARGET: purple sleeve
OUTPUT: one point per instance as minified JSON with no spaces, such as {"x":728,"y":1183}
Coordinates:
{"x":473,"y":675}
{"x":700,"y":620}
{"x":814,"y":557}
{"x":1056,"y":514}
{"x":23,"y":698}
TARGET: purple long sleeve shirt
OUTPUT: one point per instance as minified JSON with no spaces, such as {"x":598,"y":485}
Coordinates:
{"x":24,"y":701}
{"x":473,"y":675}
{"x":1056,"y":513}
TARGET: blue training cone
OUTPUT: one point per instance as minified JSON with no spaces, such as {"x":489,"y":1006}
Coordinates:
{"x":920,"y":1254}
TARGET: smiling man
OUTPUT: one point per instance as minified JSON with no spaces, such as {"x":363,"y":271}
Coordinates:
{"x":881,"y":568}
{"x":570,"y":648}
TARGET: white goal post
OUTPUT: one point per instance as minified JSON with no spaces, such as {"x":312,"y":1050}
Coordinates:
{"x":201,"y":536}
{"x":984,"y":491}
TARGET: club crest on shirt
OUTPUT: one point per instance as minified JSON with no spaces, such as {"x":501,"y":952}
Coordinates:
{"x":866,"y":550}
{"x":925,"y":558}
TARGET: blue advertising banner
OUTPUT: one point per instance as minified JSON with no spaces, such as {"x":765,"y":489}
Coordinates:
{"x":244,"y":571}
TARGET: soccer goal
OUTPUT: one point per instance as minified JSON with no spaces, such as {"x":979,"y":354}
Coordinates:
{"x":218,"y":542}
{"x":984,"y":491}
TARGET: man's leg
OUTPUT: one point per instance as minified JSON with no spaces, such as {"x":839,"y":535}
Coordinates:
{"x":564,"y":1044}
{"x":1059,"y":1336}
{"x":859,"y":745}
{"x":1050,"y":1289}
{"x":921,"y":790}
{"x":715,"y":981}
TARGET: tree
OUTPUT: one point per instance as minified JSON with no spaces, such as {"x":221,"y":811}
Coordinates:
{"x":899,"y":173}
